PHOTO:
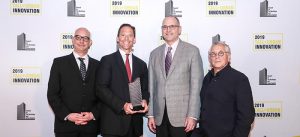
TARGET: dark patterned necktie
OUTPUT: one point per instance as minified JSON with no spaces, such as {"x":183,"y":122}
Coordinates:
{"x":82,"y":69}
{"x":168,"y":60}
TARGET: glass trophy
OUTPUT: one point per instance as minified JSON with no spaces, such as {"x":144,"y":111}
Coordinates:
{"x":136,"y":94}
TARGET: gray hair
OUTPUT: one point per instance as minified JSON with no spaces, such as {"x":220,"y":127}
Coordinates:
{"x":226,"y":46}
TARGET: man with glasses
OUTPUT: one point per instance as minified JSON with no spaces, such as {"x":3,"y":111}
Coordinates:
{"x":71,"y":93}
{"x":226,"y":98}
{"x":175,"y":79}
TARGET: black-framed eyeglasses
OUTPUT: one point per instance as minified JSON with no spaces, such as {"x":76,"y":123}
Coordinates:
{"x":84,"y":38}
{"x":219,"y":54}
{"x":171,"y":27}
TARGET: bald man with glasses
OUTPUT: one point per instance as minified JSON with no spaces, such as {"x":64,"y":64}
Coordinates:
{"x":71,"y":91}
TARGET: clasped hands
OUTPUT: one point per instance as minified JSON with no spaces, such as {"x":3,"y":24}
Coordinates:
{"x":128,"y":108}
{"x":80,"y":118}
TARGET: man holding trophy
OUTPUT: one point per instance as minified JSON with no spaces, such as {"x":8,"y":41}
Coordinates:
{"x":122,"y":87}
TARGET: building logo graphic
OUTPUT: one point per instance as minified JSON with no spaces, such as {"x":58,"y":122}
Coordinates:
{"x":23,"y":114}
{"x":26,"y":75}
{"x":268,"y":109}
{"x":66,"y":41}
{"x":265,"y":79}
{"x":266,"y":11}
{"x":25,"y":7}
{"x":268,"y":41}
{"x":125,"y":8}
{"x":216,"y":38}
{"x":74,"y":10}
{"x":220,"y":8}
{"x":170,"y":10}
{"x":24,"y":44}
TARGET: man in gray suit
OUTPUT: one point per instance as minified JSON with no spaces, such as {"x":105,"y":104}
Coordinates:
{"x":175,"y":80}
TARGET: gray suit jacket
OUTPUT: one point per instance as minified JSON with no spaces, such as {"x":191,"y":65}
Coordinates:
{"x":181,"y":89}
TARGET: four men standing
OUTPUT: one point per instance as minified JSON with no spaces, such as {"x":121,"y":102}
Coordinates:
{"x":78,"y":84}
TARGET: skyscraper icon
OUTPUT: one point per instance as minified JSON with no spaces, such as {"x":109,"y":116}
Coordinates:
{"x":22,"y":43}
{"x":22,"y":113}
{"x":170,"y":10}
{"x":264,"y":10}
{"x":216,"y":38}
{"x":263,"y":77}
{"x":73,"y":10}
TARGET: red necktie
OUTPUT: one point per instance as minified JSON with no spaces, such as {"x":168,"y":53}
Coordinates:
{"x":128,"y":68}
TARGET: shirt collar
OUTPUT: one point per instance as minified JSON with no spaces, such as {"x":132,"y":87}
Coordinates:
{"x":221,"y":72}
{"x":123,"y":53}
{"x":174,"y":45}
{"x":77,"y":56}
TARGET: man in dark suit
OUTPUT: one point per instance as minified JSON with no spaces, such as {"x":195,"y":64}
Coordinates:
{"x":227,"y":105}
{"x":71,"y":92}
{"x":116,"y":71}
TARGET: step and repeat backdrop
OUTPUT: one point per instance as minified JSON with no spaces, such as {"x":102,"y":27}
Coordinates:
{"x":262,"y":35}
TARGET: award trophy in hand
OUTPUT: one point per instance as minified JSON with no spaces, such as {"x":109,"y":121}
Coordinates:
{"x":136,"y":94}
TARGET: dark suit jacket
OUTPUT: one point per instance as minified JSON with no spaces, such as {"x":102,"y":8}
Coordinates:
{"x":113,"y":91}
{"x":68,"y":93}
{"x":227,"y":105}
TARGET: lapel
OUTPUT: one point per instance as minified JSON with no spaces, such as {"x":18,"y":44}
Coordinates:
{"x":176,"y":58}
{"x":74,"y":66}
{"x":121,"y":65}
{"x":162,"y":58}
{"x":89,"y":69}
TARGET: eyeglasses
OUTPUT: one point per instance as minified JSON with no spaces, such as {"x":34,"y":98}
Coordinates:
{"x":84,"y":38}
{"x":171,"y":27}
{"x":213,"y":54}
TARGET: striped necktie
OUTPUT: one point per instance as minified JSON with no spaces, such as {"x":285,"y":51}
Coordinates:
{"x":168,"y":60}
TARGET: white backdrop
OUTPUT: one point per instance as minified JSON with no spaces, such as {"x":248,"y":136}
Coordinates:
{"x":275,"y":99}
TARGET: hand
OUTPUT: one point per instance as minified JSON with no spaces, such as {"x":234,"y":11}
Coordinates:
{"x":151,"y":124}
{"x":145,"y":105}
{"x":76,"y":118}
{"x":86,"y":117}
{"x":128,"y":108}
{"x":189,"y":124}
